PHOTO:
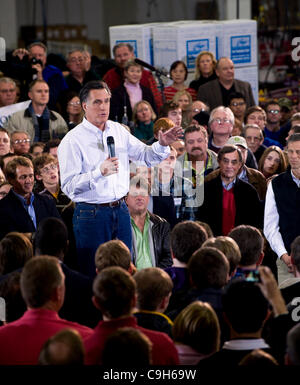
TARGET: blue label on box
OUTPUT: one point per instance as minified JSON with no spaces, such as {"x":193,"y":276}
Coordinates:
{"x":193,"y":48}
{"x":240,"y":49}
{"x":151,"y":51}
{"x":133,"y":43}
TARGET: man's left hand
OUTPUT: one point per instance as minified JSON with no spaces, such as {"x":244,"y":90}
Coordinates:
{"x":168,"y":137}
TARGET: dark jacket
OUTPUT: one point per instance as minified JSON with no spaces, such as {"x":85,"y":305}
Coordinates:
{"x":154,"y":321}
{"x":249,"y":209}
{"x":120,"y":98}
{"x":287,"y":198}
{"x":14,"y":217}
{"x":160,"y":230}
{"x":210,"y":93}
{"x":255,"y":178}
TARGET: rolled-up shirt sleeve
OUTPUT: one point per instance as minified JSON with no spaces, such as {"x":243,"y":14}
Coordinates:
{"x":271,"y":224}
{"x":73,"y":180}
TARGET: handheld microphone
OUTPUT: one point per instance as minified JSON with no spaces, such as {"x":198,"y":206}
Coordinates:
{"x":149,"y":66}
{"x":111,"y":146}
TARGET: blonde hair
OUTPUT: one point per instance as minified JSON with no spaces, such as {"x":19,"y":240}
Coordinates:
{"x":197,"y":61}
{"x":198,"y":327}
{"x":178,"y":95}
{"x":136,"y":106}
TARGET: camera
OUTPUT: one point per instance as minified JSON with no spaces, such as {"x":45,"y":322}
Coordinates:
{"x":251,"y":275}
{"x":35,"y":61}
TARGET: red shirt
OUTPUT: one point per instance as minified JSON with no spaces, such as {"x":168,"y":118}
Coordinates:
{"x":21,"y":341}
{"x":163,"y":350}
{"x":170,"y":91}
{"x":228,"y":211}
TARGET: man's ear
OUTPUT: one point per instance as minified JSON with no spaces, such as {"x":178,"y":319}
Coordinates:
{"x":84,"y":105}
{"x":95,"y":302}
{"x":38,"y":177}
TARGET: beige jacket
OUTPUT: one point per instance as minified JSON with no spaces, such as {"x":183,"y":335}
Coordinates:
{"x":22,"y":121}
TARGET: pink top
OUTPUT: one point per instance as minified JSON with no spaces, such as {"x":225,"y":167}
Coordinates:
{"x":134,"y":91}
{"x":188,"y":355}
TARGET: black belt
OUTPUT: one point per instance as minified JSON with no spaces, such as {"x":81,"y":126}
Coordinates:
{"x":109,"y":204}
{"x":112,"y":204}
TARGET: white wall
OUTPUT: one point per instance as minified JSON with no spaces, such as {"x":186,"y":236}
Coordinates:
{"x":98,"y":15}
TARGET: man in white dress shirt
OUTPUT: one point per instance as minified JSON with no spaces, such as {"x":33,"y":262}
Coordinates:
{"x":282,"y":210}
{"x":98,"y":183}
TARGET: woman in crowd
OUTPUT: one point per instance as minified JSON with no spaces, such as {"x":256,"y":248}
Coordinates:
{"x":272,"y":162}
{"x":184,"y":100}
{"x":178,"y":73}
{"x":196,"y":332}
{"x":125,"y":97}
{"x":143,"y":117}
{"x":74,"y":112}
{"x":205,"y":65}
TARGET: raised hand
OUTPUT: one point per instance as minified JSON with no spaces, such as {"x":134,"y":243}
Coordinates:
{"x":170,"y":136}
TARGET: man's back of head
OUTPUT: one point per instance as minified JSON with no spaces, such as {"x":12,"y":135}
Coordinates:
{"x":41,"y":277}
{"x":112,"y":253}
{"x":250,"y":242}
{"x":64,"y":348}
{"x":229,"y":247}
{"x":293,"y":346}
{"x":186,"y":238}
{"x":51,"y":238}
{"x":127,"y":347}
{"x":245,"y":306}
{"x":114,"y":292}
{"x":208,"y":268}
{"x":153,"y":286}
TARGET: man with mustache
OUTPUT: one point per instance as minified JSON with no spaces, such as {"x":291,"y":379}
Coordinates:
{"x":197,"y":161}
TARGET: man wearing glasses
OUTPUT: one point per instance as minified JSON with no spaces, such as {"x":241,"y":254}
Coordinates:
{"x":272,"y":128}
{"x":78,"y":76}
{"x":20,"y":142}
{"x":40,"y":123}
{"x":47,"y":175}
{"x":221,"y":123}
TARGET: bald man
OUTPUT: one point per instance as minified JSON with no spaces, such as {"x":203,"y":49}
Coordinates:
{"x":216,"y":92}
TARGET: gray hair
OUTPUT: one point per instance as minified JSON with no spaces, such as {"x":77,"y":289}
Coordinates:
{"x":227,"y":110}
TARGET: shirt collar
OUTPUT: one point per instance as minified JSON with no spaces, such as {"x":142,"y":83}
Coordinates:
{"x":296,"y":180}
{"x":229,"y":186}
{"x":24,"y":200}
{"x":91,"y":127}
{"x":246,"y":344}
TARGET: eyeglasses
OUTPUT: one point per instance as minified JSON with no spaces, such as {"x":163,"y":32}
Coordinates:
{"x":7,"y":91}
{"x":74,"y":103}
{"x":197,"y":110}
{"x":255,"y":138}
{"x":76,"y":60}
{"x":273,"y":112}
{"x":19,"y":141}
{"x":49,"y":168}
{"x":220,"y":121}
{"x":235,"y":104}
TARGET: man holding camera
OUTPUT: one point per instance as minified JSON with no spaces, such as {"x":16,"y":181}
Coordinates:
{"x":30,"y":64}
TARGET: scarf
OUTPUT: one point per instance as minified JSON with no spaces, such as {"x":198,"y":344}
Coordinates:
{"x":41,"y":133}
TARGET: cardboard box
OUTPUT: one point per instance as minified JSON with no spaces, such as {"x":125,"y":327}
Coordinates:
{"x":137,"y":35}
{"x":237,"y":39}
{"x":183,"y":40}
{"x":250,"y":75}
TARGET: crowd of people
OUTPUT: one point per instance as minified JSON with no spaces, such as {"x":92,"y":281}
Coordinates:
{"x":141,"y":226}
